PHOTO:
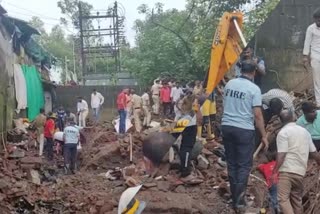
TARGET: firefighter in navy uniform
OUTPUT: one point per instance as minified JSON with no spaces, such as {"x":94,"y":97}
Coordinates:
{"x":187,"y":127}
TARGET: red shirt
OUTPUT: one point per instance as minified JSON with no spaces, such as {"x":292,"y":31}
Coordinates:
{"x":267,"y":170}
{"x":165,"y":93}
{"x":49,"y":128}
{"x":122,"y":101}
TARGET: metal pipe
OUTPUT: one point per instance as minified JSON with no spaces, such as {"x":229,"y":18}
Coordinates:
{"x":240,"y":33}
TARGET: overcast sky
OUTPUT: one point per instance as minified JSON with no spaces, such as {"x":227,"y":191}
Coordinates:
{"x":48,"y":11}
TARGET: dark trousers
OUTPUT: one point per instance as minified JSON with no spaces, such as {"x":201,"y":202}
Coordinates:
{"x":188,"y":140}
{"x":172,"y":108}
{"x":166,"y":108}
{"x":122,"y":122}
{"x":239,"y":148}
{"x":70,"y":155}
{"x":316,"y":144}
{"x":61,"y":124}
{"x":273,"y":198}
{"x":49,"y":148}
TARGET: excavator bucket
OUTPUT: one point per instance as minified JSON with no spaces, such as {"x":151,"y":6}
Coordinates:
{"x":225,"y":48}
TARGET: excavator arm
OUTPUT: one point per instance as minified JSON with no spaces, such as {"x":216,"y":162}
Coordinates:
{"x":225,"y":49}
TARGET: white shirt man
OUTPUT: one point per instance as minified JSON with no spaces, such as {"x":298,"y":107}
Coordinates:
{"x":311,"y":52}
{"x":176,"y":93}
{"x":294,"y":146}
{"x":82,"y":108}
{"x":96,"y":102}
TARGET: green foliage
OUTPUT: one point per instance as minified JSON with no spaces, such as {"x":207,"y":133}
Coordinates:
{"x":178,"y":43}
{"x":257,"y":16}
{"x":70,"y":8}
{"x":55,"y":42}
{"x":168,"y":43}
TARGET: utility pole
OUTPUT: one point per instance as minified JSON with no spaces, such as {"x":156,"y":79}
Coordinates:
{"x":83,"y":60}
{"x":107,"y":28}
{"x":66,"y":68}
{"x":74,"y":57}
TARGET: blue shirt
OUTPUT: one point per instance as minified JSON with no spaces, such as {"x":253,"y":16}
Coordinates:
{"x":240,"y":97}
{"x":71,"y":135}
{"x":312,"y":128}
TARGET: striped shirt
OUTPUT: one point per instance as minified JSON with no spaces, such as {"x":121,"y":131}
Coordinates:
{"x":282,"y":95}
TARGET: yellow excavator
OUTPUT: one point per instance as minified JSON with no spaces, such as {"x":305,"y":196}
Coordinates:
{"x":225,"y":51}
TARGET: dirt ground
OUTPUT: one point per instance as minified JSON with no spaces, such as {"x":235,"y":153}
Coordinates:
{"x":31,"y":184}
{"x":90,"y":191}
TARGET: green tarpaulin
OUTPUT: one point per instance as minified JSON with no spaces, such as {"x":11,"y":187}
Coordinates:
{"x":35,"y":95}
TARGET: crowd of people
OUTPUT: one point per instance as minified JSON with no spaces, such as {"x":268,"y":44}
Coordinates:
{"x":54,"y":131}
{"x":246,"y":114}
{"x":164,"y":99}
{"x":247,"y":110}
{"x":59,"y":132}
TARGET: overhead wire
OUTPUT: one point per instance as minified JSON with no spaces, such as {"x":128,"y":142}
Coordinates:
{"x":33,"y":12}
{"x":67,"y":28}
{"x":42,"y":17}
{"x":36,"y":14}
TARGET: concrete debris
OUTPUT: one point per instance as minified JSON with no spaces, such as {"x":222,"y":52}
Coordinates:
{"x":129,"y":171}
{"x":35,"y":176}
{"x":31,"y":160}
{"x":34,"y":185}
{"x":167,"y":202}
{"x":112,"y":175}
{"x":150,"y":185}
{"x":132,"y":182}
{"x":164,"y":186}
{"x":203,"y":163}
{"x":155,"y":124}
{"x":17,"y":153}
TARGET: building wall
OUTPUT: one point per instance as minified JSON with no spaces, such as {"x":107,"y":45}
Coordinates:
{"x":280,"y":42}
{"x":67,"y":95}
{"x":7,"y":98}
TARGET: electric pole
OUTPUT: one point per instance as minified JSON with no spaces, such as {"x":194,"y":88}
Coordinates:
{"x":100,"y":36}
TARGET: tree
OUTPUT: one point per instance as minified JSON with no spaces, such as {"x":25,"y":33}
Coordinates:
{"x":257,"y":16}
{"x":37,"y":23}
{"x":70,"y":8}
{"x":179,"y":42}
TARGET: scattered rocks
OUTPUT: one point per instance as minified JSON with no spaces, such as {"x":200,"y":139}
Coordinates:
{"x":180,"y":189}
{"x":34,"y":176}
{"x":149,"y":185}
{"x":103,"y":155}
{"x":203,"y":163}
{"x":166,"y":202}
{"x":223,"y":189}
{"x":164,"y":186}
